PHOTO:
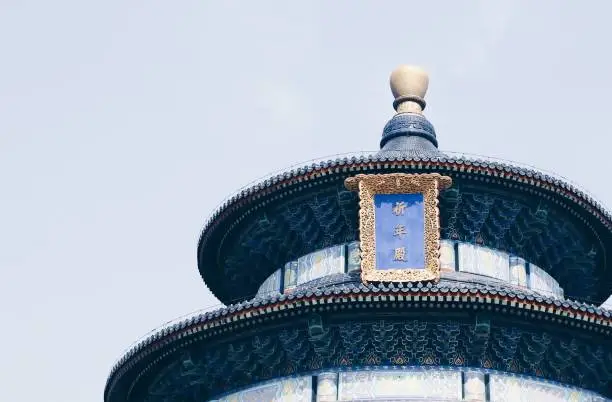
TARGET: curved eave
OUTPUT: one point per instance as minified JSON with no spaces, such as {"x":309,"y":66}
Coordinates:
{"x":241,"y":317}
{"x":478,"y":170}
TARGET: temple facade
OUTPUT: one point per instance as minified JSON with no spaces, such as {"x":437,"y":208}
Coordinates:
{"x":407,"y":274}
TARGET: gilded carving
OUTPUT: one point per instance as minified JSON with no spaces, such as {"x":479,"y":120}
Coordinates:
{"x":429,"y":185}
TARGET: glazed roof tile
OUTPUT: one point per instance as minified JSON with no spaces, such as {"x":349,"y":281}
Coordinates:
{"x":349,"y":285}
{"x":288,"y":183}
{"x":465,"y":164}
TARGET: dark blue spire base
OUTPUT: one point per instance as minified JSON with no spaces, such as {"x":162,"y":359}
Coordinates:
{"x":409,"y":134}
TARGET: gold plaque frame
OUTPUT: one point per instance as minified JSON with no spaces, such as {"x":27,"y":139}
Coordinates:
{"x":429,"y":185}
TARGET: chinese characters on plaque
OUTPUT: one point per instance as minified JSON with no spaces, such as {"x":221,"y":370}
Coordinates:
{"x":400,"y":230}
{"x":399,"y":225}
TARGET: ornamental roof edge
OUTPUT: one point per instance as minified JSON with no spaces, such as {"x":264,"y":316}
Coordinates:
{"x":518,"y":299}
{"x":376,"y":157}
{"x":459,"y":163}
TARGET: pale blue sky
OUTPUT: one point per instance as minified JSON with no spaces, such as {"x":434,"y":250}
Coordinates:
{"x":124,"y":123}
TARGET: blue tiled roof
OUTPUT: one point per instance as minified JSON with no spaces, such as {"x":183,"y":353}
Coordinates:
{"x":456,"y":292}
{"x":567,"y":230}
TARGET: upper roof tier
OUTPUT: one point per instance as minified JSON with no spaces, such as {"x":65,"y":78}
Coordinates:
{"x":525,"y":212}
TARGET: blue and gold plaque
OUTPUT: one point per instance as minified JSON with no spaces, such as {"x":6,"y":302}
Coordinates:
{"x":399,"y":226}
{"x":400,"y":231}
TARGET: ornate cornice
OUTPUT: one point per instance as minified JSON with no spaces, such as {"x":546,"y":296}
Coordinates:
{"x":448,"y":300}
{"x":482,"y":169}
{"x":479,"y":172}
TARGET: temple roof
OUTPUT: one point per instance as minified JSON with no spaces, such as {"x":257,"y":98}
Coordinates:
{"x":532,"y":215}
{"x":456,"y":295}
{"x":523,"y":211}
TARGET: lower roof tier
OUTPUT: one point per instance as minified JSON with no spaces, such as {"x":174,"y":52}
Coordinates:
{"x":524,"y":213}
{"x":345,"y":325}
